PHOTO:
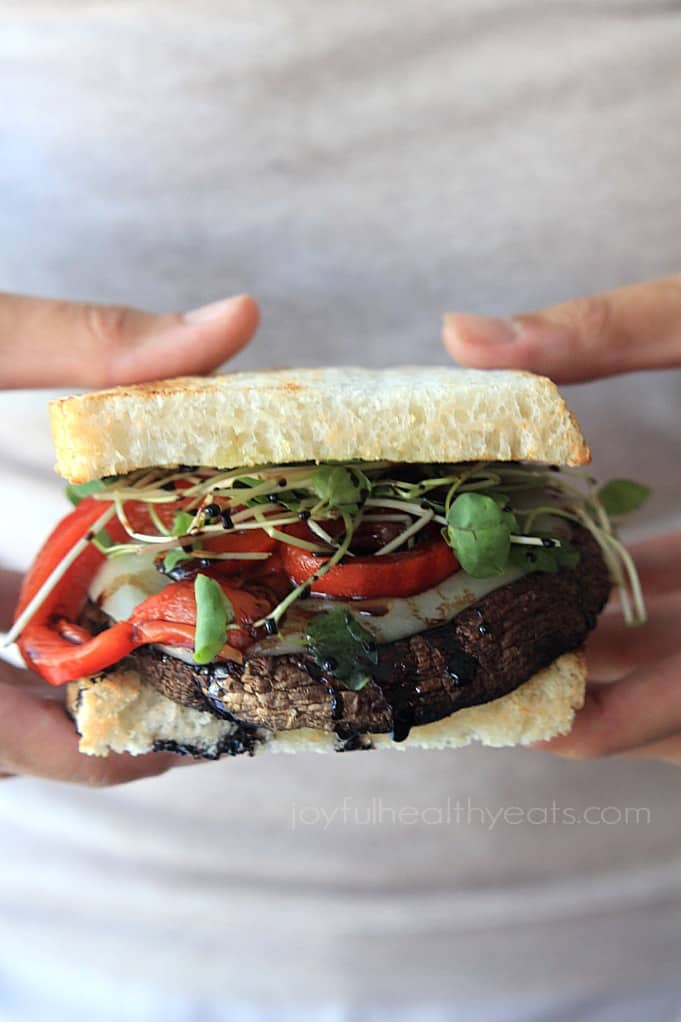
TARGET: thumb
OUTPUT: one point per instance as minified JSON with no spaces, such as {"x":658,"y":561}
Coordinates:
{"x":47,"y":343}
{"x":621,"y":331}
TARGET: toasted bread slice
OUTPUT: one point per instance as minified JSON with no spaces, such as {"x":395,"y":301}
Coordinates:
{"x":407,"y":414}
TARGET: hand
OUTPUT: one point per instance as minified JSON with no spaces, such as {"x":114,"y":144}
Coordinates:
{"x":633,"y":700}
{"x":48,"y":344}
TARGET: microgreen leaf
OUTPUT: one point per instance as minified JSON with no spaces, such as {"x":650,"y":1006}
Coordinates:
{"x":103,"y":541}
{"x":182,"y":523}
{"x":534,"y":558}
{"x":173,"y":558}
{"x":502,"y":500}
{"x":340,"y":487}
{"x":250,"y":483}
{"x":342,"y":647}
{"x":287,"y":498}
{"x":79,"y":491}
{"x":213,"y":613}
{"x":568,"y":555}
{"x":547,"y":560}
{"x":622,"y":496}
{"x":246,"y":482}
{"x":479,"y":532}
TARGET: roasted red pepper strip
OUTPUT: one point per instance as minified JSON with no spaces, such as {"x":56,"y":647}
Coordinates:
{"x":53,"y":656}
{"x":65,"y":600}
{"x":176,"y":604}
{"x":168,"y":617}
{"x":403,"y":573}
{"x":57,"y":660}
{"x":252,"y":541}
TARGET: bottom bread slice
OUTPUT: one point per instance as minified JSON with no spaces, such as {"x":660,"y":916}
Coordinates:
{"x":118,"y":712}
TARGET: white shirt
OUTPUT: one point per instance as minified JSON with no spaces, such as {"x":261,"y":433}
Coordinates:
{"x":360,"y":168}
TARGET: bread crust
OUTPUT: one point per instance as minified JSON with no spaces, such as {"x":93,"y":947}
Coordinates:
{"x":120,"y":713}
{"x":407,"y":413}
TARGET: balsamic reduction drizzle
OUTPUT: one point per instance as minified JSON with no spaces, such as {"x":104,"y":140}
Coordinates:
{"x":461,"y":668}
{"x":402,"y":724}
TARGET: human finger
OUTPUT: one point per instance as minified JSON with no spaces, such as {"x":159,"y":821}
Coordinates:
{"x":666,"y":751}
{"x":615,"y":649}
{"x":50,"y":343}
{"x":10,"y":583}
{"x":631,"y":328}
{"x":644,"y":707}
{"x":37,"y":738}
{"x":658,"y":563}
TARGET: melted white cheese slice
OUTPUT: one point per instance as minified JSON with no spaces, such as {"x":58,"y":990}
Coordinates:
{"x":124,"y":582}
{"x":390,"y":618}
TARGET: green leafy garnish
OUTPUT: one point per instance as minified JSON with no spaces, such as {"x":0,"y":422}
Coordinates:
{"x":467,"y":500}
{"x":274,"y":492}
{"x":247,"y":482}
{"x":213,"y":613}
{"x":567,"y":555}
{"x":478,"y":506}
{"x":479,"y":531}
{"x":547,"y":560}
{"x":250,"y":483}
{"x":622,"y":496}
{"x":342,"y":647}
{"x":79,"y":491}
{"x":173,"y":558}
{"x":182,"y":523}
{"x":103,"y":541}
{"x":340,"y":487}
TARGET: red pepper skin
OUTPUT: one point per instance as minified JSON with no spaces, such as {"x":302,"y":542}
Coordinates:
{"x":48,"y":652}
{"x":403,"y":573}
{"x":176,"y":604}
{"x":65,"y":600}
{"x":58,"y":649}
{"x":255,"y":541}
{"x":57,"y":660}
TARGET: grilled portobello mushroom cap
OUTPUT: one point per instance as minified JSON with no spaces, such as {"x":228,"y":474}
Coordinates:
{"x":483,"y":653}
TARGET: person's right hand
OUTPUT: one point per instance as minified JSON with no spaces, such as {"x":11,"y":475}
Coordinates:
{"x":47,"y":343}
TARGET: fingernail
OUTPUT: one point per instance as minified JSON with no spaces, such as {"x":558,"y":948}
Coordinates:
{"x":468,"y":327}
{"x":214,"y":310}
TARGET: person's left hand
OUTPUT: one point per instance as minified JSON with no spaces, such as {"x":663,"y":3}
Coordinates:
{"x":633,"y":699}
{"x":46,"y":343}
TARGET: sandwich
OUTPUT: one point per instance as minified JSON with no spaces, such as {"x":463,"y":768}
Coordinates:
{"x":328,"y":559}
